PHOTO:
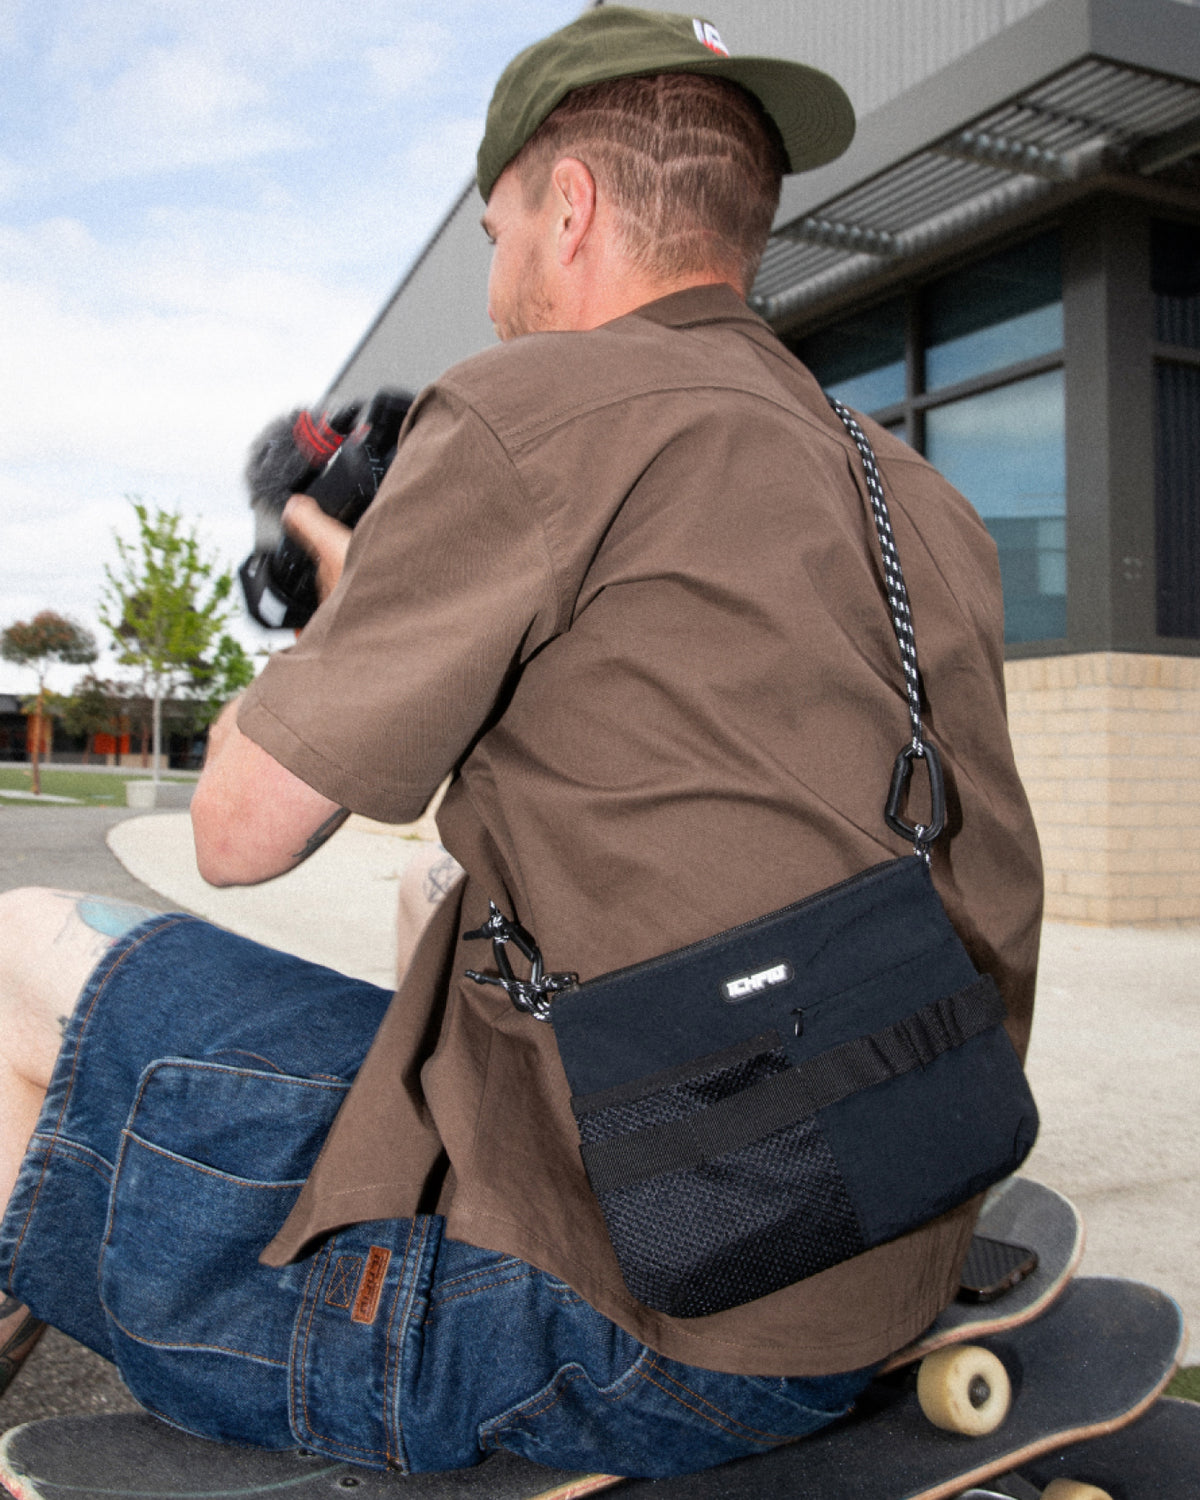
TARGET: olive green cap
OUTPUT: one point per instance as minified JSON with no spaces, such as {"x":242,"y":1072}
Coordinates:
{"x":811,"y":110}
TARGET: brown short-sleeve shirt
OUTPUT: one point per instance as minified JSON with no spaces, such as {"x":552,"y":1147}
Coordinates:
{"x":624,"y":586}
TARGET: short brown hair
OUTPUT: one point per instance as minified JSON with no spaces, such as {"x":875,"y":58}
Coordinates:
{"x":691,"y":164}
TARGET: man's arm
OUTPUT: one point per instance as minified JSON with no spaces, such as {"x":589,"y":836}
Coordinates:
{"x":252,"y":819}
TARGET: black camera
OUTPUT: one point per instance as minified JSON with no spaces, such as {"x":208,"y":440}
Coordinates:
{"x":339,"y":458}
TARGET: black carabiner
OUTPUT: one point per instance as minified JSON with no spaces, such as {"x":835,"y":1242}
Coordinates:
{"x":921,"y":834}
{"x":532,"y":995}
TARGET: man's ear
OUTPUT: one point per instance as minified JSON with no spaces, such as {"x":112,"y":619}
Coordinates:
{"x":574,"y":187}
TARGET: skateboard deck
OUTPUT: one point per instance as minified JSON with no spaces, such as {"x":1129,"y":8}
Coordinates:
{"x":1157,"y":1458}
{"x":129,"y":1455}
{"x":1024,"y":1212}
{"x":1095,"y":1361}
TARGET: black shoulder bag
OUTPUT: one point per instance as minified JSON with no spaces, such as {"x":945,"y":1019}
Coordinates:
{"x":761,"y":1105}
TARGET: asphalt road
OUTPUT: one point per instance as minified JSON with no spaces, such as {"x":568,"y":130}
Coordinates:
{"x":64,"y":847}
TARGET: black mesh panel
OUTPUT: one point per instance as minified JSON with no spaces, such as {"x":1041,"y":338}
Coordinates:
{"x":733,"y":1228}
{"x":736,"y":1228}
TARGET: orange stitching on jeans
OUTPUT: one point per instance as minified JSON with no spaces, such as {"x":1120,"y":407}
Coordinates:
{"x":501,"y":1263}
{"x":258,"y":1359}
{"x":326,"y":1255}
{"x":82,"y":1156}
{"x":195,"y":1166}
{"x":524,"y":1413}
{"x":765,"y":1440}
{"x":666,"y":1374}
{"x":392,"y":1417}
{"x":343,"y":1281}
{"x":490,"y":1286}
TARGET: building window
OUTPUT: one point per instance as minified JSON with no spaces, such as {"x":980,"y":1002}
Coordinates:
{"x":1004,"y":449}
{"x":970,"y":369}
{"x":861,"y":359}
{"x":1175,"y":280}
{"x":995,"y":313}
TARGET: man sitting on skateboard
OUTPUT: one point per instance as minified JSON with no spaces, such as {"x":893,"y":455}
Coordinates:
{"x":619,"y":586}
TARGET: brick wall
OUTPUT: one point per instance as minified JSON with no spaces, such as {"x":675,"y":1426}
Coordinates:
{"x":1109,"y":747}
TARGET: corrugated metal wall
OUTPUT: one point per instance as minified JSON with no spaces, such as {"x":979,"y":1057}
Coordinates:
{"x":439,"y":316}
{"x":876,"y":48}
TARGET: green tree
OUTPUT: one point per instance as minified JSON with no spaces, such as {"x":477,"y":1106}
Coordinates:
{"x":97,"y":706}
{"x":38,"y":644}
{"x":164,"y":606}
{"x":217,"y":680}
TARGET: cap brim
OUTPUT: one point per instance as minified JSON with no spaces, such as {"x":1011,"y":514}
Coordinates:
{"x":810,"y":109}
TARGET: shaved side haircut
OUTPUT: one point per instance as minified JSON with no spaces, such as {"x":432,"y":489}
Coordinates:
{"x":691,"y":165}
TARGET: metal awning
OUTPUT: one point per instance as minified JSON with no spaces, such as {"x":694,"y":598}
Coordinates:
{"x":1094,"y":118}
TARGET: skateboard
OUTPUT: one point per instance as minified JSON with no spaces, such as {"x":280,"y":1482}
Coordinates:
{"x":1090,"y":1365}
{"x":1157,"y":1458}
{"x":1093,"y":1362}
{"x":1017,"y":1212}
{"x":132,"y":1456}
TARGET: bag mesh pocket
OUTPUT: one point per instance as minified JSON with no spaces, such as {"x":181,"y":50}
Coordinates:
{"x":731,"y":1228}
{"x":714,"y":1079}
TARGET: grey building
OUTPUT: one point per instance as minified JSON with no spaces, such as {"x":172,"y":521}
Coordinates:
{"x":12,"y":728}
{"x":1005,"y":269}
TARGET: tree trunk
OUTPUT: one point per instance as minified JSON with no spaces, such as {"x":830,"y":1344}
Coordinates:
{"x":157,"y":730}
{"x":36,"y":743}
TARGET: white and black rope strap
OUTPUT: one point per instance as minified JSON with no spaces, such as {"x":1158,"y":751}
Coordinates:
{"x":918,"y":748}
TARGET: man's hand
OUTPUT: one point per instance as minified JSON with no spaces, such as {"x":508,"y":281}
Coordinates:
{"x":252,"y":818}
{"x":324,"y":539}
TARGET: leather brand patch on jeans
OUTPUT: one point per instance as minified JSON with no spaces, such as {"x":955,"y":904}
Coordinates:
{"x":366,"y":1304}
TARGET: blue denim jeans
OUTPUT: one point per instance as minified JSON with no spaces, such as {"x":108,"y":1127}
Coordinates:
{"x":196,"y":1083}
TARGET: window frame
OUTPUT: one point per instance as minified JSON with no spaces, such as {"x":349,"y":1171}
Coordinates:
{"x":1109,"y":354}
{"x":910,"y":412}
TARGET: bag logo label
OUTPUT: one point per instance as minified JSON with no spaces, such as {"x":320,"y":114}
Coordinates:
{"x":746,"y":986}
{"x":708,"y":35}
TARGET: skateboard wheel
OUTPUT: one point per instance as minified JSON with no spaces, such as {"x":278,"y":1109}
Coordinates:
{"x":1073,"y":1489}
{"x":964,"y":1389}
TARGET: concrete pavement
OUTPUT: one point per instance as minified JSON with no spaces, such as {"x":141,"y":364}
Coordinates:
{"x":337,"y":908}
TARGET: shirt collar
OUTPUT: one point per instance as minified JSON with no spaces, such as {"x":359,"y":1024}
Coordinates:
{"x":695,"y":305}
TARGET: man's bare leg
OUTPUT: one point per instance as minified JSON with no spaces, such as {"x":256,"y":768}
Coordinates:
{"x":50,"y":941}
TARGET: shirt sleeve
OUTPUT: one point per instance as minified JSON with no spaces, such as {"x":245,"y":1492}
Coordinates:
{"x":448,"y":586}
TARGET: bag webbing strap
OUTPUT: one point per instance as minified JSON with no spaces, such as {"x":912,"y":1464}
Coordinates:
{"x":784,"y":1098}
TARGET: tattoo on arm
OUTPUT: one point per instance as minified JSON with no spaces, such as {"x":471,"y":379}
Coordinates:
{"x":322,"y":835}
{"x":106,"y":916}
{"x":440,"y":876}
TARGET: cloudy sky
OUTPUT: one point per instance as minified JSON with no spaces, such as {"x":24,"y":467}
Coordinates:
{"x":202,"y":206}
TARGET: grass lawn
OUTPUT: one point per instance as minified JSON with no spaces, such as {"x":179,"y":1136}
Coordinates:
{"x":1186,"y":1384}
{"x":95,"y":788}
